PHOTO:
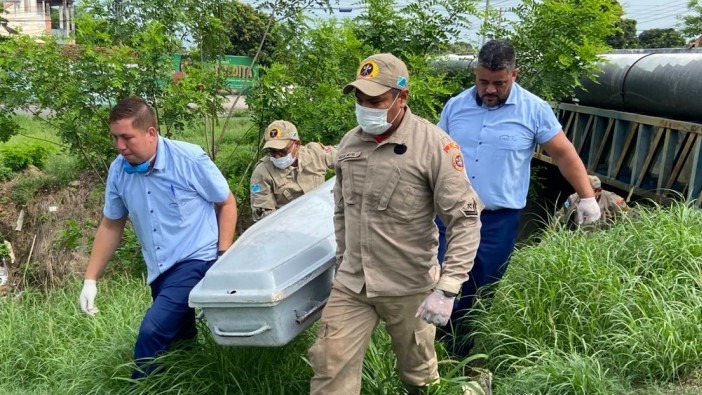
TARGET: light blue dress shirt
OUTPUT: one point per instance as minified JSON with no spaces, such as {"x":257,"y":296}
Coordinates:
{"x":171,"y":206}
{"x":498,"y":143}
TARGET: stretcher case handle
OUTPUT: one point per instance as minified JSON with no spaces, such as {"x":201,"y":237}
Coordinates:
{"x":258,"y":331}
{"x":307,"y":314}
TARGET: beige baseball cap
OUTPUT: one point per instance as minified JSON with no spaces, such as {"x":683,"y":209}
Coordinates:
{"x":595,"y":182}
{"x":378,"y":74}
{"x":279,"y":133}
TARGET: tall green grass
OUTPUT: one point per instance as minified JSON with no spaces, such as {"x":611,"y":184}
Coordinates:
{"x":600,"y":312}
{"x":613,"y":311}
{"x":48,"y":346}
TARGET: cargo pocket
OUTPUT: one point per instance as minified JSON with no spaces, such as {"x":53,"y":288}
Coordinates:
{"x":347,"y":187}
{"x":421,"y":359}
{"x":398,"y":199}
{"x":318,"y":353}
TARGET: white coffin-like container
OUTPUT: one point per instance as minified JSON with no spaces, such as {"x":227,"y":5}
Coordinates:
{"x":273,"y":282}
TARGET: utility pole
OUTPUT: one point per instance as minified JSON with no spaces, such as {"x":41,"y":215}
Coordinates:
{"x":118,"y":20}
{"x":487,"y":15}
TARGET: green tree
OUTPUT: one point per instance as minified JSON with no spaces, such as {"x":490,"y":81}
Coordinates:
{"x":306,"y":88}
{"x":246,"y":31}
{"x":661,"y":38}
{"x":692,"y":23}
{"x":625,"y":35}
{"x":420,"y":27}
{"x":559,"y":41}
{"x":461,"y":48}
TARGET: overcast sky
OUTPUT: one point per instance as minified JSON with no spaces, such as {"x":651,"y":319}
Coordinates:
{"x":650,"y":14}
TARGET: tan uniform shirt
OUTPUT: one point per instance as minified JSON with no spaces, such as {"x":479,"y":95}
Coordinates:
{"x":386,"y":197}
{"x":610,"y":204}
{"x":272,"y":188}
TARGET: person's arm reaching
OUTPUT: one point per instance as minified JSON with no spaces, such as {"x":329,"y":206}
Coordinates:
{"x":563,"y":153}
{"x":107,"y":239}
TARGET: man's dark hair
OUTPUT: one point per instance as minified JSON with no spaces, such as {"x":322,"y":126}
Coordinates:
{"x":136,"y":109}
{"x":497,"y":55}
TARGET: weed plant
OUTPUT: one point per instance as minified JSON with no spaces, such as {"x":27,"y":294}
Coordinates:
{"x":601,"y":311}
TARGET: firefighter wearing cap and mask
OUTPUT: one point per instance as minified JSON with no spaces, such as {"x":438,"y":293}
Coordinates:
{"x":288,"y":170}
{"x":394,"y":173}
{"x":611,"y":204}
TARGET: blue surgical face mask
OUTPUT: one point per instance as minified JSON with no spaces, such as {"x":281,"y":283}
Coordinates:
{"x":140,"y":168}
{"x":374,"y":120}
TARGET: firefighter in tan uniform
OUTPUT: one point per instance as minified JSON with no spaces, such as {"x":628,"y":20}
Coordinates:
{"x":394,"y":173}
{"x":611,"y":204}
{"x":288,"y":170}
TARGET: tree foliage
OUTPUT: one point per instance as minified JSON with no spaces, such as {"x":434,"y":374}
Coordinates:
{"x":420,"y":27}
{"x":77,"y":85}
{"x":246,"y":30}
{"x":661,"y":38}
{"x":625,"y":35}
{"x":692,"y":24}
{"x":305,"y":86}
{"x":559,"y":41}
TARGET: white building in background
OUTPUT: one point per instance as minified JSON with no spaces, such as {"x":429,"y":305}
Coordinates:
{"x":38,"y":18}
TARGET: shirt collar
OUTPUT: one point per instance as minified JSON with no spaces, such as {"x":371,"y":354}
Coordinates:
{"x":160,"y":162}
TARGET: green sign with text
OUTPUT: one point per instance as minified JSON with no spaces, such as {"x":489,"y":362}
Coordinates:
{"x":236,"y":69}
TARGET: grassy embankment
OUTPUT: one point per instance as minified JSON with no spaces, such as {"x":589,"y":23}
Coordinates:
{"x":612,"y":311}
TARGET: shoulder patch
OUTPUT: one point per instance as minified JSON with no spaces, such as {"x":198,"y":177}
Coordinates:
{"x":457,"y":161}
{"x":450,"y":145}
{"x":255,"y":188}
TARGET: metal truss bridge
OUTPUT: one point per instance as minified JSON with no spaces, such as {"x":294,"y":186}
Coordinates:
{"x":648,"y":156}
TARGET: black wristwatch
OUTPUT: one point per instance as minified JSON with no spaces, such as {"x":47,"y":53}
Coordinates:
{"x":220,"y":253}
{"x":447,"y":293}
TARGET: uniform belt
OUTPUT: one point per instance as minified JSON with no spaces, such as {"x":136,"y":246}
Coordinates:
{"x":500,"y":210}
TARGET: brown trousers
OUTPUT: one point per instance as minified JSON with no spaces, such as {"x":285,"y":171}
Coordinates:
{"x":346,"y":327}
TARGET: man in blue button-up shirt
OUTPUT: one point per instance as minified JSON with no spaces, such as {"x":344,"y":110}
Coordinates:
{"x":184,"y":216}
{"x":497,"y":124}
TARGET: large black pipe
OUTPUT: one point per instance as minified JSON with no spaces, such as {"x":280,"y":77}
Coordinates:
{"x":664,"y":84}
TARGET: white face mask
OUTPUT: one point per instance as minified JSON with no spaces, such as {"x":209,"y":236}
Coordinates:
{"x":284,"y":162}
{"x":374,"y":120}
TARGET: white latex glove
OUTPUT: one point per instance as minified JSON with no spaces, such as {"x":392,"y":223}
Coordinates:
{"x":87,"y":297}
{"x":588,"y":211}
{"x":436,"y":308}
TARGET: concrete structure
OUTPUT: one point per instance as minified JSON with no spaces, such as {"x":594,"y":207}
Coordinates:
{"x":34,"y":17}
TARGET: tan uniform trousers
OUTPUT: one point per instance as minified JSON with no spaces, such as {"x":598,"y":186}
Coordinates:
{"x":346,"y":327}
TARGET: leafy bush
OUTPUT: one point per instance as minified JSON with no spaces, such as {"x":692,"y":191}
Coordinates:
{"x":5,"y":172}
{"x":20,"y":155}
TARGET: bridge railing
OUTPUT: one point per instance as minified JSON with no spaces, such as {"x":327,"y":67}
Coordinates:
{"x":648,"y":156}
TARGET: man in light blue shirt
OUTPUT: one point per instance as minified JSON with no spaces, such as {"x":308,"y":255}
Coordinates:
{"x":497,"y":124}
{"x":184,"y":216}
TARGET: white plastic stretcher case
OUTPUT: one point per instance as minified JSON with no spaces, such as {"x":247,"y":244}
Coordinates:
{"x":273,"y":282}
